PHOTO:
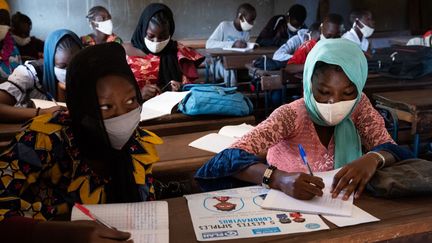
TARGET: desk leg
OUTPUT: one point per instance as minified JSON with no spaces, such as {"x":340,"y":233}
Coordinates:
{"x":228,"y":84}
{"x":214,"y":69}
{"x":266,"y":102}
{"x":416,"y":145}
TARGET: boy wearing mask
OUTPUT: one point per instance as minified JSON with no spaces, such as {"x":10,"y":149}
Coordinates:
{"x":362,"y":28}
{"x":30,"y":47}
{"x":232,"y":34}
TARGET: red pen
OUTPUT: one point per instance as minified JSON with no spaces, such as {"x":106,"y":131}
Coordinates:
{"x":93,"y":217}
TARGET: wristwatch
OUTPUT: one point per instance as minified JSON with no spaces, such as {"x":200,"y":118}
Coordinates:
{"x":267,"y":175}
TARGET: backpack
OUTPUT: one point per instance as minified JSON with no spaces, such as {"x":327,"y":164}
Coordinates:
{"x":215,"y":100}
{"x":402,"y":62}
{"x":267,"y":63}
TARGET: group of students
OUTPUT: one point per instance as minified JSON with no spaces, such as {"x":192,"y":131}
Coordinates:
{"x":96,"y":152}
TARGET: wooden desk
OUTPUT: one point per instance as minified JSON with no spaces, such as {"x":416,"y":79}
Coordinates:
{"x":178,"y":161}
{"x":413,"y":106}
{"x":237,"y":60}
{"x":179,"y":123}
{"x":408,"y":219}
{"x":377,"y":83}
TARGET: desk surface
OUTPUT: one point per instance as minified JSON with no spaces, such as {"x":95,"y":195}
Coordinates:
{"x":214,"y":52}
{"x":409,"y":100}
{"x":407,"y":217}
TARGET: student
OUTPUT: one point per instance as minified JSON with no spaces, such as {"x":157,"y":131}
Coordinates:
{"x":38,"y":79}
{"x":362,"y":28}
{"x":332,"y":122}
{"x":285,"y":52}
{"x":100,"y":22}
{"x":95,"y":154}
{"x":158,"y":62}
{"x":30,"y":47}
{"x":280,"y":28}
{"x":331,"y":28}
{"x":232,"y":34}
{"x":9,"y":54}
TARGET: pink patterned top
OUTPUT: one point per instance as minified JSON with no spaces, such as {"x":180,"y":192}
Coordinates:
{"x":290,"y":125}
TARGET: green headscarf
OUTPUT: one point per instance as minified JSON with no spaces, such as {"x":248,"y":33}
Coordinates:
{"x":351,"y":59}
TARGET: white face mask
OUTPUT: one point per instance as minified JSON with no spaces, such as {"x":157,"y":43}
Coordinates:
{"x":3,"y":31}
{"x":366,"y":30}
{"x":121,"y":128}
{"x":292,"y":28}
{"x":333,"y":114}
{"x":60,"y":74}
{"x":322,"y":37}
{"x":245,"y":26}
{"x":154,"y":46}
{"x":105,"y":27}
{"x":21,"y":41}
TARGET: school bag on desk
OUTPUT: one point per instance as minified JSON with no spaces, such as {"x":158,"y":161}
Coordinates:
{"x":214,"y":100}
{"x":402,"y":62}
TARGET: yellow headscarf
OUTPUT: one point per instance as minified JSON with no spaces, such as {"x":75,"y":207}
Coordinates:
{"x":4,"y":5}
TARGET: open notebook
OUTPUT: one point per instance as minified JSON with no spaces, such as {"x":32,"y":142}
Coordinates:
{"x":250,"y":46}
{"x":44,"y":104}
{"x":216,"y":142}
{"x":161,"y":105}
{"x":318,"y":205}
{"x":146,"y":221}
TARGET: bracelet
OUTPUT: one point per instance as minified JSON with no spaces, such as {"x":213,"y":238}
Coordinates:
{"x":380,"y":156}
{"x":266,"y":177}
{"x":37,"y":111}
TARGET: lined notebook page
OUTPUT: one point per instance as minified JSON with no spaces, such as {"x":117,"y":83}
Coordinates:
{"x":318,"y":205}
{"x":44,"y":104}
{"x":161,"y":105}
{"x":146,"y":221}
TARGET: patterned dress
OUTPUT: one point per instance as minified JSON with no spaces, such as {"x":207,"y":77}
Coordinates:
{"x":290,"y":125}
{"x":146,"y":68}
{"x":42,"y":174}
{"x":88,"y":40}
{"x":10,"y":57}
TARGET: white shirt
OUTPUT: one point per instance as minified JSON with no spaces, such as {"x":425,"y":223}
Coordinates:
{"x":225,"y":35}
{"x":352,"y":36}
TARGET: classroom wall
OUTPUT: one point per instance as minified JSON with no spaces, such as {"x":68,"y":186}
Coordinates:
{"x":194,"y":18}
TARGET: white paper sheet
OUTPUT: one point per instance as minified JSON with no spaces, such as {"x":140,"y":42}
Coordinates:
{"x":358,"y":216}
{"x":216,"y":142}
{"x":250,"y":46}
{"x":161,"y":105}
{"x":236,"y":213}
{"x":318,"y":205}
{"x":146,"y":221}
{"x":44,"y":104}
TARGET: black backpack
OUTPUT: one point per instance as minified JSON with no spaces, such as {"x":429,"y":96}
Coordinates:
{"x":403,"y":62}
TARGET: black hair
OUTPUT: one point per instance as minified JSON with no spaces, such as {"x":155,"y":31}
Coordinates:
{"x":18,"y":18}
{"x":314,"y":27}
{"x":297,"y":12}
{"x":95,"y":10}
{"x":358,"y":14}
{"x":67,"y":42}
{"x":321,"y":67}
{"x":161,"y":20}
{"x":334,"y":19}
{"x":246,"y":9}
{"x":4,"y":17}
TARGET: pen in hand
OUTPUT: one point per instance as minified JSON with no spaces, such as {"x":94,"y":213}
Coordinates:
{"x":50,"y":97}
{"x":304,"y":158}
{"x":92,"y":216}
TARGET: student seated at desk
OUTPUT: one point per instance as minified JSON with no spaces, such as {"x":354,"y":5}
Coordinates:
{"x":30,"y":47}
{"x":95,"y":154}
{"x":231,"y":34}
{"x":9,"y":55}
{"x":286,"y":51}
{"x":362,"y":28}
{"x":38,"y":79}
{"x":332,"y":27}
{"x":158,"y":62}
{"x":332,"y":122}
{"x":281,"y":28}
{"x":101,"y":23}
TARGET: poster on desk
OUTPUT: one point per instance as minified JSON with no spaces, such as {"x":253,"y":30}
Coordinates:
{"x":236,"y":213}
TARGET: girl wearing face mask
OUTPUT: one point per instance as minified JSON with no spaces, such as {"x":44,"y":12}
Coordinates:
{"x":158,"y":62}
{"x":38,"y":79}
{"x":333,"y":122}
{"x":9,"y":54}
{"x":30,"y":47}
{"x":94,"y":154}
{"x":101,"y":23}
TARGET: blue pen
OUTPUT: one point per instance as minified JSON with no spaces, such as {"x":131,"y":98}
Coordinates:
{"x":50,"y":97}
{"x":304,"y":158}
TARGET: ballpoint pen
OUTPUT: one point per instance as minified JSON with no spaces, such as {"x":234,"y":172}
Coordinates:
{"x":304,"y":158}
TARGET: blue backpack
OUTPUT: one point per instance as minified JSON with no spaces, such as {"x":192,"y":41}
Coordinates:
{"x":215,"y":100}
